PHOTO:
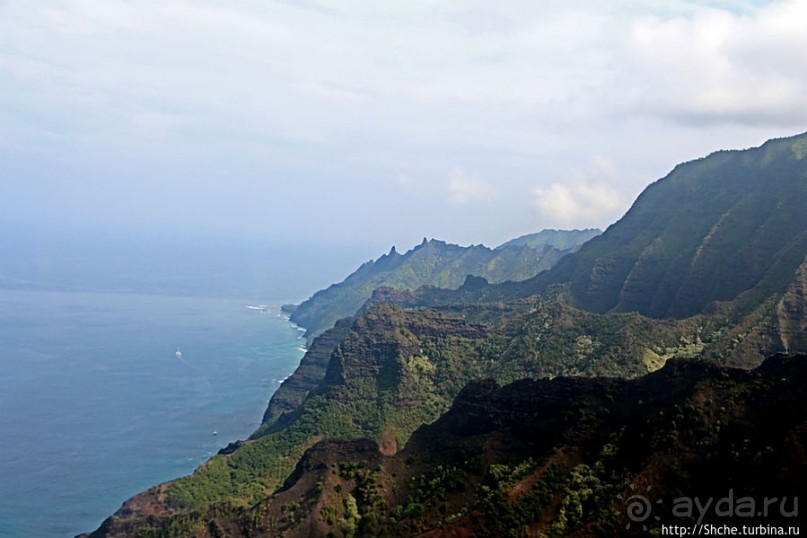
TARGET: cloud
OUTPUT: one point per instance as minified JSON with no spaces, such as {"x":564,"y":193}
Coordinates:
{"x":344,"y":70}
{"x":585,"y":198}
{"x":717,"y":67}
{"x":463,"y":189}
{"x":324,"y":95}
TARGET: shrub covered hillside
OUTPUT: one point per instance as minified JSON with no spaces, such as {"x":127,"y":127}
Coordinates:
{"x":436,"y":263}
{"x":662,"y":303}
{"x":562,"y":457}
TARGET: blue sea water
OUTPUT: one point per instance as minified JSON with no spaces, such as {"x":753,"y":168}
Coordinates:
{"x":95,"y":406}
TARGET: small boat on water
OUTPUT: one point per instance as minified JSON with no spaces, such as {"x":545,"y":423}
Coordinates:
{"x":178,"y":353}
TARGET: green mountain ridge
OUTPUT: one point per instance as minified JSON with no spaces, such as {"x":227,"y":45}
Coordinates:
{"x":404,"y":359}
{"x":562,"y":457}
{"x":707,"y":232}
{"x":558,"y":239}
{"x":439,"y":264}
{"x":713,"y":230}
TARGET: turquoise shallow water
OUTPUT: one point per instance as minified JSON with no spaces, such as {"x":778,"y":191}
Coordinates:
{"x":95,"y":406}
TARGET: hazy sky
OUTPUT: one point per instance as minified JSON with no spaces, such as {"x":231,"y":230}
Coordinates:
{"x":377,"y":122}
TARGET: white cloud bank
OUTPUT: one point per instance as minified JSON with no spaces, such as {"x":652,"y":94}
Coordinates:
{"x":715,"y":66}
{"x":586,"y":198}
{"x":326,"y":66}
{"x":254,"y":100}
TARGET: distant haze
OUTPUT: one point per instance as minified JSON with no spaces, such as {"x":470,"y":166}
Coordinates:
{"x":254,"y":270}
{"x":351,"y":126}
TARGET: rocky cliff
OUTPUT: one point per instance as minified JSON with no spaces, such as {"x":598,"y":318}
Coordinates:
{"x":440,"y":264}
{"x":563,"y":457}
{"x":665,"y":282}
{"x":713,"y":229}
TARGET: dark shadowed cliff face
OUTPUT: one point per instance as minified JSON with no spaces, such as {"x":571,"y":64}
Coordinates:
{"x":562,"y":457}
{"x":729,"y":227}
{"x":791,"y":312}
{"x":308,"y":375}
{"x":557,"y":457}
{"x":709,"y":262}
{"x":709,"y":231}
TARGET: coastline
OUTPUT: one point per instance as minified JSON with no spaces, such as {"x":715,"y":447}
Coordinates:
{"x":110,"y":389}
{"x":151,"y":502}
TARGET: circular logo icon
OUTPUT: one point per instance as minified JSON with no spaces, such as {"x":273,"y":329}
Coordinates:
{"x":638,"y":507}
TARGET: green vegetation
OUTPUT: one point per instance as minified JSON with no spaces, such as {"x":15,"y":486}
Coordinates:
{"x":435,"y":263}
{"x":503,"y":516}
{"x":692,"y":426}
{"x":708,"y":263}
{"x":329,"y":514}
{"x":558,"y":239}
{"x":714,"y":228}
{"x":399,"y":376}
{"x":394,"y":388}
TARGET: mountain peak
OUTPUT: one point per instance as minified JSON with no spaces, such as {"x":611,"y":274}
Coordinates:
{"x":434,"y":263}
{"x":711,"y":230}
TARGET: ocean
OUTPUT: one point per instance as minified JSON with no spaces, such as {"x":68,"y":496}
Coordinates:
{"x":96,"y":405}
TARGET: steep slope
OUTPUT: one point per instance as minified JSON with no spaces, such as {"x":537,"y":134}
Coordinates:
{"x":307,"y":376}
{"x":440,"y":264}
{"x":397,"y":369}
{"x":791,"y":312}
{"x":380,"y":383}
{"x":711,"y":230}
{"x":408,"y":353}
{"x":557,"y":239}
{"x":566,"y":457}
{"x":729,"y":227}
